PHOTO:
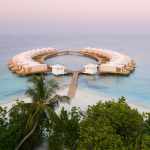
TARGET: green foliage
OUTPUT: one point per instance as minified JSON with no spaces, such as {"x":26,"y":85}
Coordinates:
{"x":44,"y":102}
{"x":17,"y":128}
{"x":107,"y":125}
{"x":26,"y":124}
{"x":111,"y":125}
{"x":41,"y":89}
{"x":98,"y":134}
{"x":64,"y":133}
{"x":3,"y":127}
{"x":146,"y":130}
{"x":3,"y":118}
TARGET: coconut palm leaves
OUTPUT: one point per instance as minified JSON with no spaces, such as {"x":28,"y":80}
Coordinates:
{"x":41,"y":90}
{"x":44,"y":102}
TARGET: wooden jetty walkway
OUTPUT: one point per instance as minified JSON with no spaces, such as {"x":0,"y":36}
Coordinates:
{"x":73,"y":84}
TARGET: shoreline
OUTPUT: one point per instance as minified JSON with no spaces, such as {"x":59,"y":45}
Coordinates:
{"x":83,"y":99}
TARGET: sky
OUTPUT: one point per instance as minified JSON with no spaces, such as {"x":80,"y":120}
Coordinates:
{"x":106,"y":16}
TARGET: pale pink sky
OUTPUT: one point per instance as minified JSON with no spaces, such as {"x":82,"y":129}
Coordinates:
{"x":123,"y":12}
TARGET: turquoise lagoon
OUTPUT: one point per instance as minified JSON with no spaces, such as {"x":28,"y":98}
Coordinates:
{"x":135,"y":87}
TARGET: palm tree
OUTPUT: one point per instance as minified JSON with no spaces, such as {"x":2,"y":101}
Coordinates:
{"x":44,"y":102}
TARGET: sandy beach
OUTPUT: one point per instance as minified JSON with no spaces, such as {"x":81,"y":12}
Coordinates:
{"x":83,"y":99}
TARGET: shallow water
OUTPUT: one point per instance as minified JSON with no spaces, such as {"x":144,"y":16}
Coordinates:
{"x":72,"y":62}
{"x":135,"y":87}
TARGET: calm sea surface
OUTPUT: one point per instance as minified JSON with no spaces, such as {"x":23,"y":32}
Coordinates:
{"x":135,"y":87}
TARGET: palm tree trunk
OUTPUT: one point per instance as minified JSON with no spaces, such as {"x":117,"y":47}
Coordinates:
{"x":27,"y":136}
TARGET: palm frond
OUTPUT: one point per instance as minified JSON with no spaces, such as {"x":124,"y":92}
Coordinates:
{"x":56,"y":100}
{"x":40,"y":89}
{"x":51,"y":115}
{"x":62,"y":99}
{"x":31,"y":93}
{"x":51,"y":86}
{"x":32,"y":118}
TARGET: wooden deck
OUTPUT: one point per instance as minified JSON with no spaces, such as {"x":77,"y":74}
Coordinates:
{"x":73,"y":84}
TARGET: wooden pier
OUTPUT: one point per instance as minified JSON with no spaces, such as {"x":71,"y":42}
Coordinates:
{"x":73,"y":84}
{"x":109,"y":62}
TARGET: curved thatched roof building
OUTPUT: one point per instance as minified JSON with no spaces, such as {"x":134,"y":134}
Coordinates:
{"x":31,"y":62}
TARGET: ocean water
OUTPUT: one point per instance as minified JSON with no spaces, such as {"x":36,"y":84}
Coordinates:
{"x":135,"y":87}
{"x":72,"y":62}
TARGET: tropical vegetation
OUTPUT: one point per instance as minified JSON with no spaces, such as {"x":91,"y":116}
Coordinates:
{"x":109,"y":125}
